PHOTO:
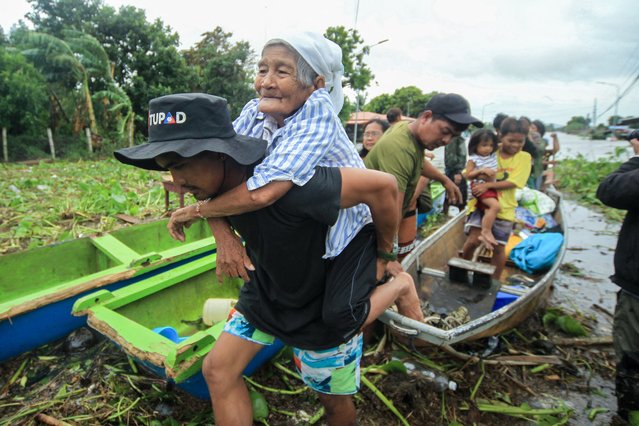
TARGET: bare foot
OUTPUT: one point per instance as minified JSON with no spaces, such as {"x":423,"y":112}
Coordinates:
{"x":487,"y":238}
{"x":407,"y":302}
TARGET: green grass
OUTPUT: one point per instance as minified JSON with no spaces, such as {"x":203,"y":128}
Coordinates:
{"x":580,"y":178}
{"x":51,"y":202}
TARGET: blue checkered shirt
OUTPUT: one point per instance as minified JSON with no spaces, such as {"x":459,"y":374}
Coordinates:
{"x":311,"y":137}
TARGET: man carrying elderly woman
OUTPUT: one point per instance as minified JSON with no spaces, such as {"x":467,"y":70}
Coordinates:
{"x":300,"y":94}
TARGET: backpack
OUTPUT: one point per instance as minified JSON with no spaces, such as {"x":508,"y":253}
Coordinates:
{"x":537,"y":252}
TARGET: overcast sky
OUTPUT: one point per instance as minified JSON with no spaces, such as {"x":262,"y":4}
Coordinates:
{"x":540,"y":58}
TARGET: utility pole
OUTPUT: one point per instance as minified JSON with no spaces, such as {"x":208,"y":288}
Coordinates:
{"x":594,"y":114}
{"x":616,"y":86}
{"x":357,"y":91}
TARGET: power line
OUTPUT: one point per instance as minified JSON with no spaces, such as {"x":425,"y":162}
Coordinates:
{"x":621,"y":96}
{"x":627,"y":66}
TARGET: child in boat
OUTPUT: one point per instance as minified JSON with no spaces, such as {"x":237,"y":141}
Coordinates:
{"x":513,"y":169}
{"x":482,"y":167}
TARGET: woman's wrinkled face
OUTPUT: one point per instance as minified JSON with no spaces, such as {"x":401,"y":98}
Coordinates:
{"x":372,"y":133}
{"x":281,"y":94}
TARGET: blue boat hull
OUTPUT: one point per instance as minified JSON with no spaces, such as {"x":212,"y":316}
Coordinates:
{"x":196,"y":385}
{"x":54,"y":321}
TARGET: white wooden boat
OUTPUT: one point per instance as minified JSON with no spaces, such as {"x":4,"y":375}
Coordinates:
{"x":428,"y":266}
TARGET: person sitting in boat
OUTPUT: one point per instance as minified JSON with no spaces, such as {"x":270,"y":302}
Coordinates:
{"x":400,"y":151}
{"x":482,"y":167}
{"x":543,"y":143}
{"x":394,"y":115}
{"x":513,"y":170}
{"x":300,"y":94}
{"x":318,"y":307}
{"x":455,"y":158}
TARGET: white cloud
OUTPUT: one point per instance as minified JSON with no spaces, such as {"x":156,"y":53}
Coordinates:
{"x":539,"y":58}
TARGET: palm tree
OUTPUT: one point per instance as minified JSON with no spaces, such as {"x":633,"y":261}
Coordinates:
{"x":79,"y":55}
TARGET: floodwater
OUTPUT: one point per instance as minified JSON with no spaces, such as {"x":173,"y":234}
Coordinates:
{"x":570,"y":147}
{"x":590,"y":249}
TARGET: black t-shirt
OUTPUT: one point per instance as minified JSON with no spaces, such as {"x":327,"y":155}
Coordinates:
{"x":285,"y":242}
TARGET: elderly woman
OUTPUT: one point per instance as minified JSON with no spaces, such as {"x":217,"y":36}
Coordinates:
{"x":299,"y":86}
{"x":300,"y":94}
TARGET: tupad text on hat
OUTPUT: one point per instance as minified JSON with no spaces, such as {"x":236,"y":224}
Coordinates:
{"x":166,"y":118}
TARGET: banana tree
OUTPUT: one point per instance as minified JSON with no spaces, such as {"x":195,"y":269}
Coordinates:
{"x":79,"y":55}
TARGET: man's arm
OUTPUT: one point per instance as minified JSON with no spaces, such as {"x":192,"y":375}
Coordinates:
{"x":378,"y":190}
{"x":555,"y":143}
{"x":236,"y":201}
{"x":480,"y":188}
{"x":620,"y":189}
{"x":452,"y":190}
{"x":232,"y":260}
{"x":422,"y":183}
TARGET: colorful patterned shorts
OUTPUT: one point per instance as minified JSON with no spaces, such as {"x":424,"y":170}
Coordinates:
{"x":333,"y":371}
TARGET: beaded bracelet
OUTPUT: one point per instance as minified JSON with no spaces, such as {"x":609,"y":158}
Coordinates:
{"x":198,"y":205}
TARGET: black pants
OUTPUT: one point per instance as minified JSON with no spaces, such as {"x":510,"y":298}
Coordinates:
{"x":626,"y":342}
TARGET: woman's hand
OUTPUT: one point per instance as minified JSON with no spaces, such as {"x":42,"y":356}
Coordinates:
{"x":232,"y":260}
{"x":180,"y":219}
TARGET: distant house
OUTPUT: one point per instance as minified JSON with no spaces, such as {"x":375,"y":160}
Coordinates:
{"x":630,"y":121}
{"x":361,"y":118}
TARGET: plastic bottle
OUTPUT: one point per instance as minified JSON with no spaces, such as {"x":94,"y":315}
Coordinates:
{"x":438,"y":381}
{"x":216,"y":310}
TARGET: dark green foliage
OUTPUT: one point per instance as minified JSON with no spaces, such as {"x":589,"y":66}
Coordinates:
{"x":581,"y":178}
{"x":410,"y":99}
{"x":23,"y":101}
{"x":54,"y":16}
{"x":222,"y":68}
{"x":144,"y":56}
{"x":357,"y":74}
{"x":600,"y":132}
{"x":3,"y":37}
{"x":577,"y":124}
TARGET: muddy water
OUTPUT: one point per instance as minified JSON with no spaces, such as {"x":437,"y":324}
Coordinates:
{"x":591,"y":242}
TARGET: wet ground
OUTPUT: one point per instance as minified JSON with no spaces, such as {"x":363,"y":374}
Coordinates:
{"x":581,"y":286}
{"x":586,"y":288}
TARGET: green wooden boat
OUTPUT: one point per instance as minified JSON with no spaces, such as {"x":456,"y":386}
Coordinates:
{"x":138,"y":316}
{"x":39,"y":286}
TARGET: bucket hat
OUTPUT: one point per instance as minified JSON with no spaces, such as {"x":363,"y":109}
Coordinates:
{"x":188,"y":124}
{"x":454,"y":107}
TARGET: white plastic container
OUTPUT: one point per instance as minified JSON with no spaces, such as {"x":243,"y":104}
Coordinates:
{"x":216,"y":310}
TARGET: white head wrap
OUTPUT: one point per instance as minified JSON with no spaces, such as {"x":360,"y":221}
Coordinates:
{"x":325,"y":57}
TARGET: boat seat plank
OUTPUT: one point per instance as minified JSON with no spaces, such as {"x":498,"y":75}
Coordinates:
{"x":469,"y":265}
{"x":458,"y":269}
{"x":115,"y":249}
